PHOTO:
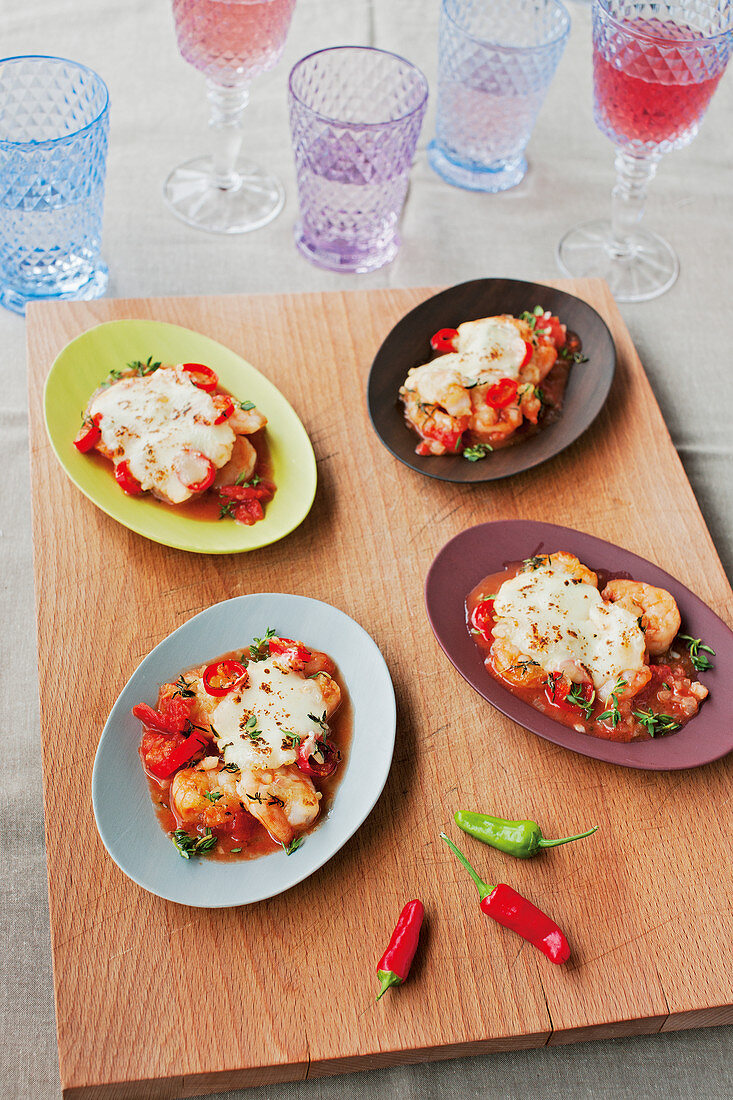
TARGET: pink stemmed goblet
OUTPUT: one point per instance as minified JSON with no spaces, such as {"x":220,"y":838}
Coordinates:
{"x":230,"y":42}
{"x":655,"y":68}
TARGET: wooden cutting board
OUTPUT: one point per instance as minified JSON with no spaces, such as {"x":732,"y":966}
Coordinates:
{"x":157,"y":1000}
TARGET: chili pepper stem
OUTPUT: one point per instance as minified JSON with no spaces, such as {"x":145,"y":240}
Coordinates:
{"x":483,"y":888}
{"x":387,"y":979}
{"x":542,"y":843}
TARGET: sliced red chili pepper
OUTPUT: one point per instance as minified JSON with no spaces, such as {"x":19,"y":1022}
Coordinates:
{"x":295,"y":653}
{"x":309,"y":765}
{"x":126,"y":481}
{"x":502,"y":394}
{"x":89,"y":434}
{"x":395,"y":963}
{"x":482,"y":617}
{"x":202,"y":376}
{"x":528,"y":353}
{"x":511,"y":910}
{"x":444,"y":340}
{"x":221,"y":677}
{"x":225,"y":404}
{"x":164,"y":768}
{"x":194,"y":470}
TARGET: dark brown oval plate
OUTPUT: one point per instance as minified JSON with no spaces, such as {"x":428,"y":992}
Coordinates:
{"x":474,"y":554}
{"x":408,"y":345}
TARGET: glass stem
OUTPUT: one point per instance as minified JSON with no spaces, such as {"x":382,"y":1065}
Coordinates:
{"x":633,"y":175}
{"x":227,"y":104}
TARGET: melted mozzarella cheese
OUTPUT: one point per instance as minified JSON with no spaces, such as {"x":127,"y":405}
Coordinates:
{"x":487,"y":350}
{"x":551,"y":617}
{"x":281,"y":701}
{"x":150,"y":421}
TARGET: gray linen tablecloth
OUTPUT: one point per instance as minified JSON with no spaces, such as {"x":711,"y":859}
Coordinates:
{"x":159,"y":119}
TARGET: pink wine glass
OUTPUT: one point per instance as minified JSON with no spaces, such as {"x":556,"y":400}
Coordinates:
{"x":655,"y":68}
{"x":230,"y":42}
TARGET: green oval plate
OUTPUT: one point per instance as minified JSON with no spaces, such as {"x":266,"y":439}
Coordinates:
{"x":85,"y":363}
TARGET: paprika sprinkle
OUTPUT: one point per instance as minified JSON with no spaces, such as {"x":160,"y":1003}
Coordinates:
{"x":516,"y":838}
{"x":395,"y":963}
{"x":511,"y":910}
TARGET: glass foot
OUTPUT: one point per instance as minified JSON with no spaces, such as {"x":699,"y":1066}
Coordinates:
{"x":345,"y":257}
{"x":253,"y":201}
{"x":646,"y":271}
{"x":94,"y":287}
{"x":501,"y":177}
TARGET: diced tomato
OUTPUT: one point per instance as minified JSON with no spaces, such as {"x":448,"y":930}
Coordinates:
{"x":423,"y":448}
{"x":202,"y":376}
{"x":126,"y":481}
{"x":263,"y":490}
{"x":248,"y":512}
{"x":444,"y":340}
{"x":89,"y":433}
{"x":179,"y":755}
{"x":556,"y":333}
{"x":450,"y":438}
{"x":156,"y":749}
{"x":294,"y":654}
{"x":502,"y":394}
{"x":482,"y":617}
{"x":557,"y":688}
{"x":173,"y":717}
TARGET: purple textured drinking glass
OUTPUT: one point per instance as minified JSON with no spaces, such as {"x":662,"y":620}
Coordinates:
{"x":355,"y":117}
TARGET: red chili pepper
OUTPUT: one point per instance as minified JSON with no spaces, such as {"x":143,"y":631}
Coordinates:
{"x":528,"y":353}
{"x":502,"y":394}
{"x":221,"y":677}
{"x":510,"y":909}
{"x":126,"y":481}
{"x":395,"y":963}
{"x":444,"y":340}
{"x":482,"y":617}
{"x":310,"y":766}
{"x":89,"y":433}
{"x":163,"y":769}
{"x":195,"y":470}
{"x":202,"y":376}
{"x":226,"y":406}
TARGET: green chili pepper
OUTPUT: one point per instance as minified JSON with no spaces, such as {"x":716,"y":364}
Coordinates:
{"x":517,"y":838}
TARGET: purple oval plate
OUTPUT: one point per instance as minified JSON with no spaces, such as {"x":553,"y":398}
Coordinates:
{"x":474,"y":554}
{"x":408,"y":344}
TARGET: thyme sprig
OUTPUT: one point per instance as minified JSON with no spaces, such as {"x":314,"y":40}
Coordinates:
{"x":189,"y":846}
{"x":656,"y":723}
{"x":294,"y":845}
{"x":575,"y":696}
{"x":320,"y":721}
{"x":612,"y":714}
{"x":477,"y":452}
{"x":259,"y":650}
{"x":699,"y":661}
{"x":184,"y":688}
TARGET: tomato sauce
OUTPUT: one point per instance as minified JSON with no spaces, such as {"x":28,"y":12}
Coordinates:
{"x":667,"y":694}
{"x":248,"y":839}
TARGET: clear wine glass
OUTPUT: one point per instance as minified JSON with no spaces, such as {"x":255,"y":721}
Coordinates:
{"x":230,"y":42}
{"x":655,"y":68}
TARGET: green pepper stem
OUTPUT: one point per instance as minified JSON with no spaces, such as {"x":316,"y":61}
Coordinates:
{"x":565,"y":839}
{"x":483,"y":889}
{"x":387,"y":979}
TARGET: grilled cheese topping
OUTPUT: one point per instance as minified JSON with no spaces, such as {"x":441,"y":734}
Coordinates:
{"x":151,"y":421}
{"x":552,"y":617}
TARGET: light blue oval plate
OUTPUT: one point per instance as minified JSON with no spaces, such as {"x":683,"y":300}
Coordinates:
{"x":123,"y":807}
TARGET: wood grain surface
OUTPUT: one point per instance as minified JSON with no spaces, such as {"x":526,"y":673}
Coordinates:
{"x":157,"y":1000}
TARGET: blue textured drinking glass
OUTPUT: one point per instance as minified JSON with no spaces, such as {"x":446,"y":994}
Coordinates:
{"x":497,"y":58}
{"x":54,"y":124}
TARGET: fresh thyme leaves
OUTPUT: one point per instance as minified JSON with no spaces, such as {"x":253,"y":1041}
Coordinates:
{"x":255,"y":797}
{"x":275,"y":801}
{"x":656,"y":723}
{"x":184,"y":689}
{"x":251,"y":727}
{"x":478,"y":451}
{"x":572,"y":356}
{"x":115,"y":375}
{"x":699,"y":661}
{"x":231,"y":768}
{"x":294,"y":845}
{"x":259,"y":650}
{"x":612,"y":715}
{"x":575,"y":695}
{"x":533,"y":563}
{"x":320,"y":721}
{"x":523,"y":666}
{"x":247,"y":406}
{"x":242,"y":480}
{"x":213,"y":796}
{"x":189,"y":846}
{"x":226,"y":508}
{"x":291,"y":740}
{"x":234,"y":850}
{"x":141,"y":368}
